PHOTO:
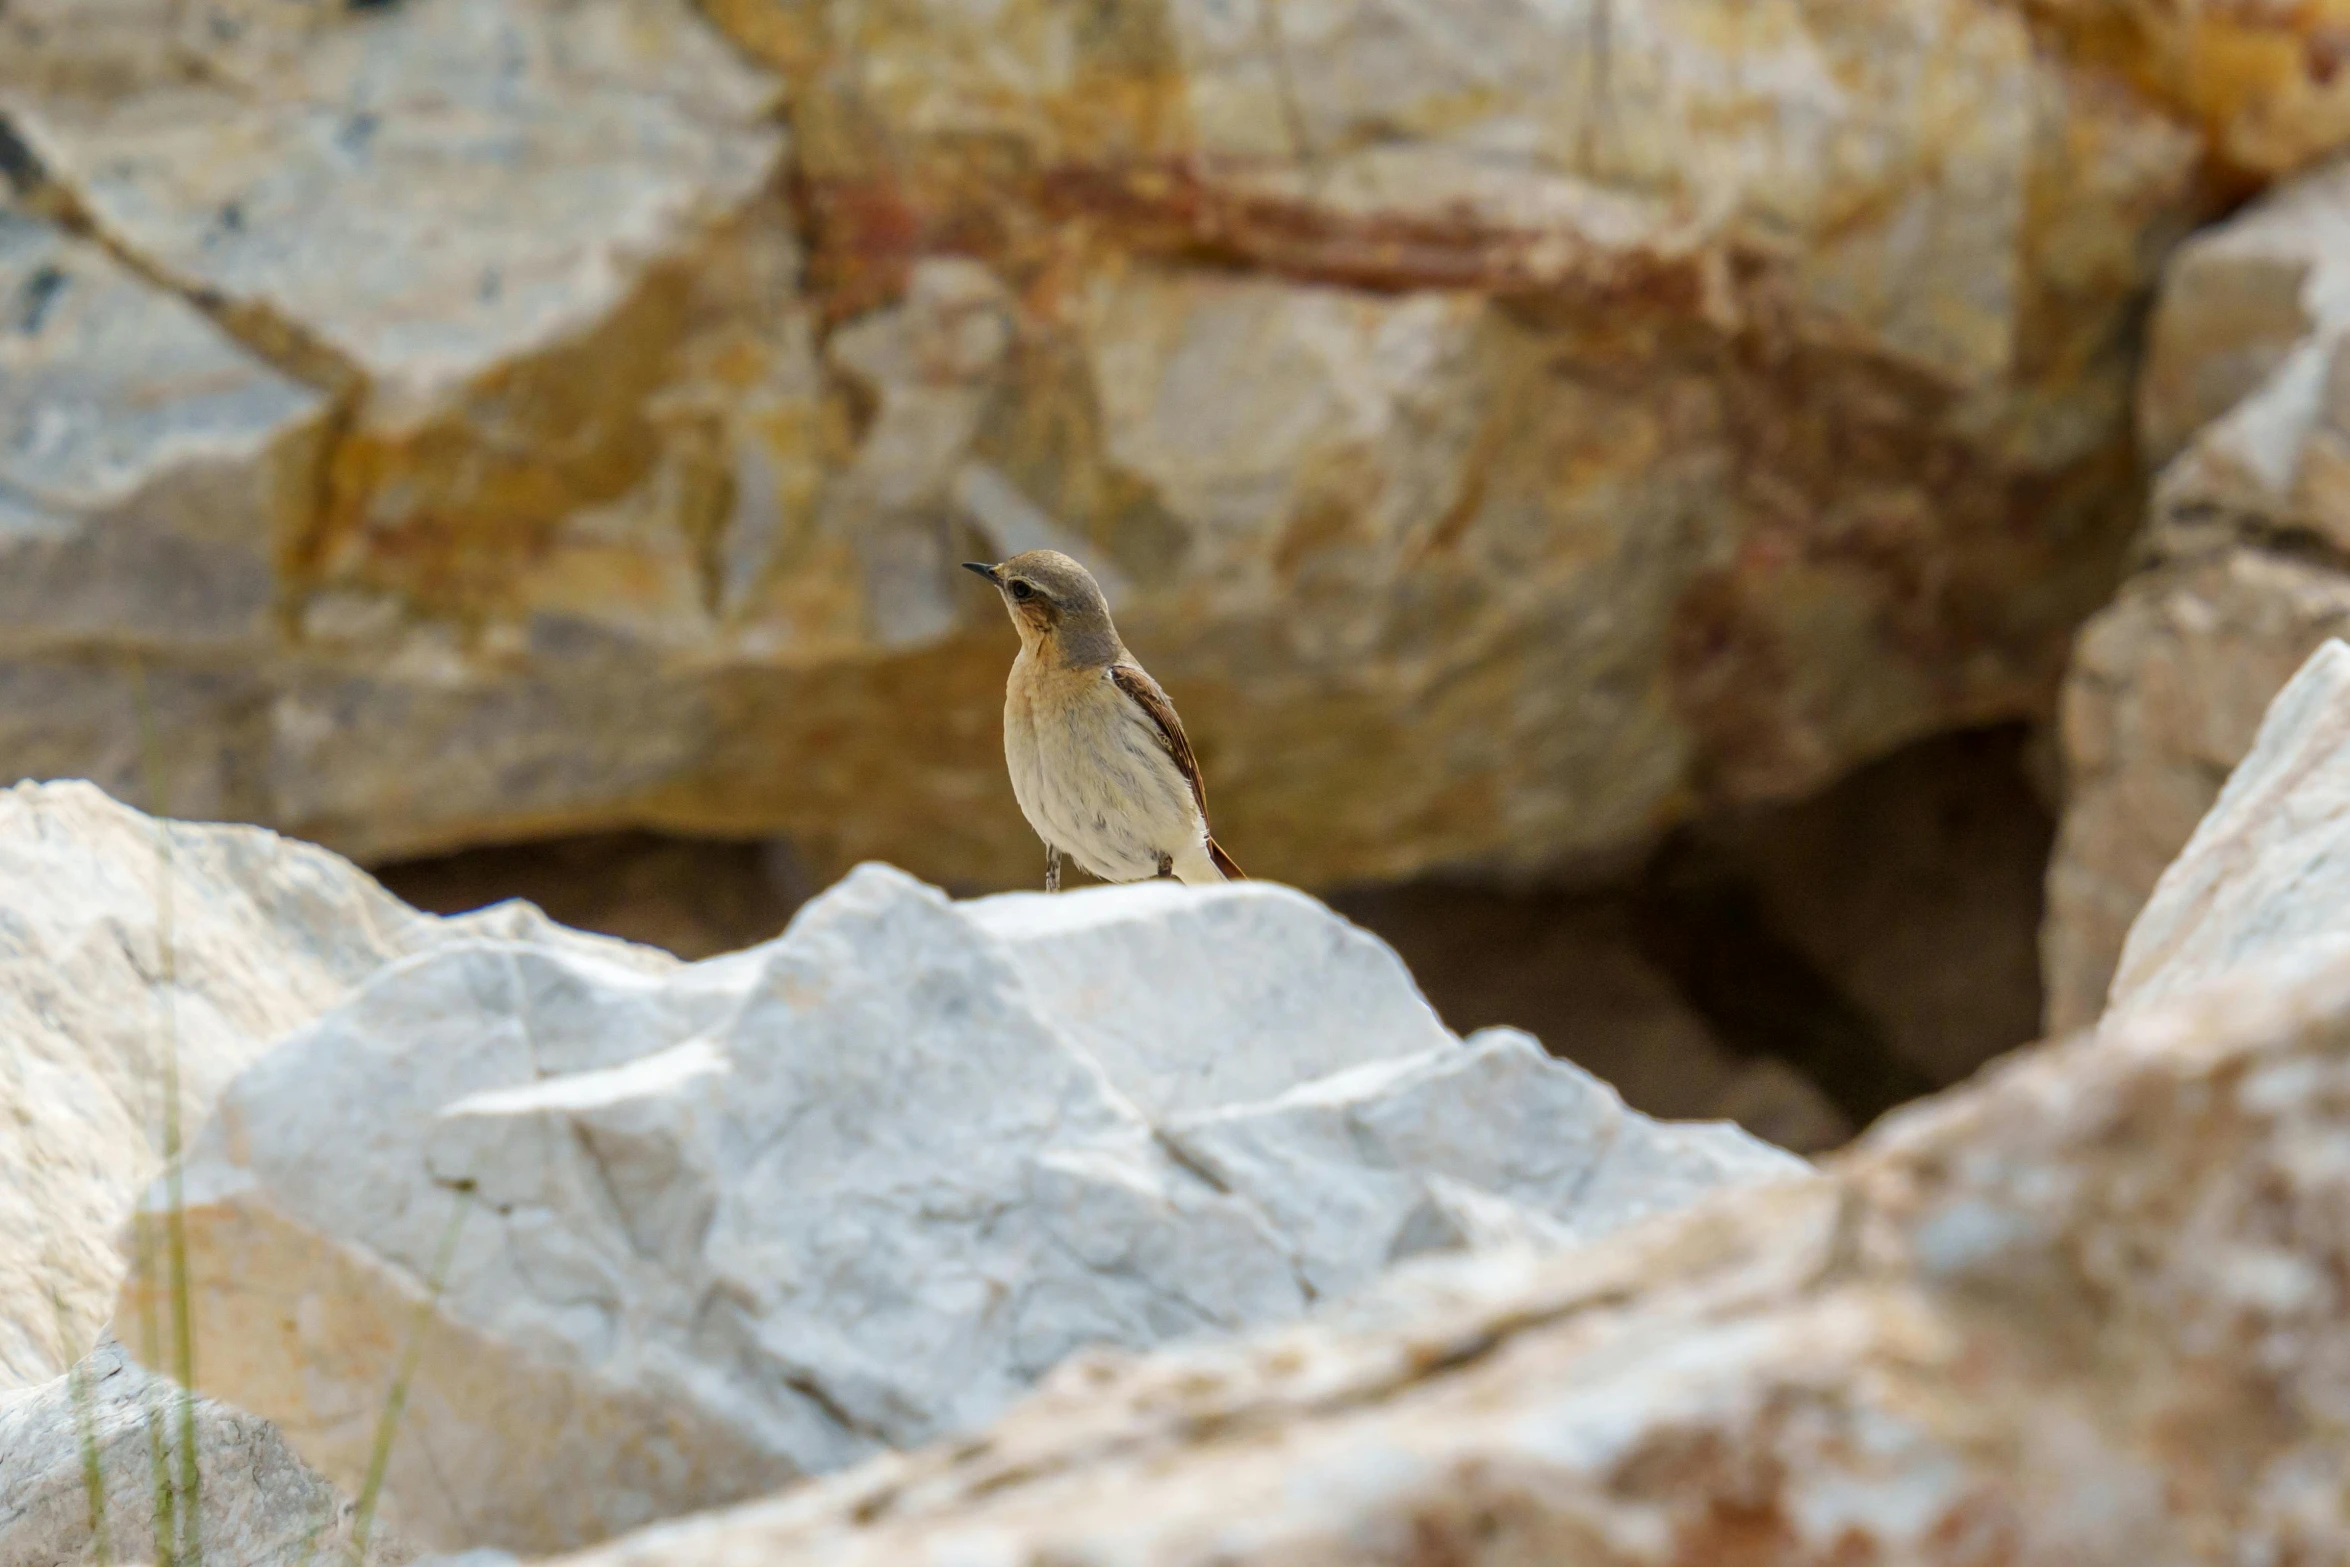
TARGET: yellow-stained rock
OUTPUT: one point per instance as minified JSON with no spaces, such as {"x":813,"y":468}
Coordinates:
{"x":2266,"y":82}
{"x":1506,"y":431}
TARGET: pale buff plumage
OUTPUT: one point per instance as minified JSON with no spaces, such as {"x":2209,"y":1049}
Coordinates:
{"x":1099,"y":761}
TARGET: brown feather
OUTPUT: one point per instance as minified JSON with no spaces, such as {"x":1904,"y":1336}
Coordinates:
{"x":1225,"y":862}
{"x":1146,"y":695}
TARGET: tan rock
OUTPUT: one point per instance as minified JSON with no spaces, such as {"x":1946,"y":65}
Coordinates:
{"x":492,"y":226}
{"x":2241,"y":575}
{"x":1470,"y":400}
{"x":2256,"y":885}
{"x":2164,"y":698}
{"x":2083,"y":1312}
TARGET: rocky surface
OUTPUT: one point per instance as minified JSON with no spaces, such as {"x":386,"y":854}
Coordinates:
{"x":258,"y":1506}
{"x":2085,"y":1310}
{"x":2246,"y":400}
{"x":1568,"y":415}
{"x":153,"y":468}
{"x":2258,"y":885}
{"x":2265,"y":81}
{"x":669,"y":1238}
{"x":1908,"y":896}
{"x":1571,"y":970}
{"x":131,"y":951}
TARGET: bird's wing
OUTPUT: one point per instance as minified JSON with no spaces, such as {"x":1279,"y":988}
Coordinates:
{"x":1144,"y":693}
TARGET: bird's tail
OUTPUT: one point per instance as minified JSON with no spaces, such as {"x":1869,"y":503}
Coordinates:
{"x":1225,"y":863}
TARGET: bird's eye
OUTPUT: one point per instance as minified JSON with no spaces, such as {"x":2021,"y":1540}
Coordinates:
{"x":1021,"y":590}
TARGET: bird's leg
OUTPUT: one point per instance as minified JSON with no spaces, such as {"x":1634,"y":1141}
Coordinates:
{"x":1052,"y":869}
{"x":1166,"y":866}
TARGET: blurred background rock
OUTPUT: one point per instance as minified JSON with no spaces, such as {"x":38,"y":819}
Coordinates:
{"x":1612,"y":486}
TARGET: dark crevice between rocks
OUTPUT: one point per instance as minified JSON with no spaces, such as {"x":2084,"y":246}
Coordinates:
{"x":284,"y":345}
{"x":694,"y":897}
{"x":292,"y":350}
{"x":1799,"y":968}
{"x":36,"y":298}
{"x":18,"y":167}
{"x":1702,"y":923}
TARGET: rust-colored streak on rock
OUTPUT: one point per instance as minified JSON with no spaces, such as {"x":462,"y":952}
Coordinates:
{"x":869,"y":231}
{"x":1182,"y":208}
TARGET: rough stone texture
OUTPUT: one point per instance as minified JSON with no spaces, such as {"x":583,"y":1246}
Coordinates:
{"x":150,"y":469}
{"x":1565,"y":968}
{"x":259,"y":1505}
{"x":2241,"y":573}
{"x":2259,"y":883}
{"x":263,"y":935}
{"x":717,"y":1226}
{"x":1571,"y":970}
{"x":2265,"y":81}
{"x":1568,"y":415}
{"x":2086,"y":1311}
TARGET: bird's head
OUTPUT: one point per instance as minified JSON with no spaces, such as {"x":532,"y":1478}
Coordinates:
{"x":1056,"y":605}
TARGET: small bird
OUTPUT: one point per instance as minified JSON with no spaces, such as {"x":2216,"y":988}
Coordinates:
{"x":1099,"y":761}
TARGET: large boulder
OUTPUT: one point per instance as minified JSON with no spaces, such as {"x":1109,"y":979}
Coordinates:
{"x":1568,"y":415}
{"x":135,"y":953}
{"x":665,"y":1239}
{"x":78,"y":1482}
{"x":2087,"y":1310}
{"x":2240,"y":574}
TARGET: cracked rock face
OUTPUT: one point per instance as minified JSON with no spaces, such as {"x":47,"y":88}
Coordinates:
{"x":259,"y":1505}
{"x":150,"y":469}
{"x":2083,"y":1312}
{"x":2246,"y":399}
{"x":264,"y":935}
{"x":1570,"y":415}
{"x":673,"y":1238}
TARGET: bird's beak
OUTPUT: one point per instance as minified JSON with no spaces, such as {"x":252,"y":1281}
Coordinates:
{"x":985,"y":570}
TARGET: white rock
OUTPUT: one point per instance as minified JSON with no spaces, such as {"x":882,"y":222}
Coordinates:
{"x":259,"y":1506}
{"x":1263,"y":962}
{"x":2239,"y":576}
{"x":2084,"y":1311}
{"x":1353,"y":1167}
{"x":713,"y":1227}
{"x":2265,"y":881}
{"x":264,"y":934}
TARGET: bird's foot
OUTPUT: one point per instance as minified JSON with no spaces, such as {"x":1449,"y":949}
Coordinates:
{"x":1052,"y":869}
{"x":1166,"y":866}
